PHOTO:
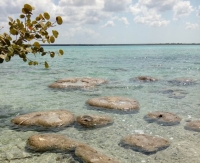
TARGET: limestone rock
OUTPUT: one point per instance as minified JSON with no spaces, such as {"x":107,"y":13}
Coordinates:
{"x":164,"y":118}
{"x":144,"y":79}
{"x":47,"y":142}
{"x":53,"y":118}
{"x":144,"y":143}
{"x":174,"y":93}
{"x":112,"y":102}
{"x":90,"y":155}
{"x":93,"y":120}
{"x":182,"y":81}
{"x":77,"y":83}
{"x":193,"y":125}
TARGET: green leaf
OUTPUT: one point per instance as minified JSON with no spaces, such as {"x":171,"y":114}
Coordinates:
{"x":61,"y":52}
{"x":55,"y":33}
{"x":59,"y":20}
{"x":22,"y":16}
{"x":52,"y":54}
{"x":52,"y":39}
{"x":28,"y":7}
{"x":46,"y":65}
{"x":46,"y":16}
{"x":13,"y":31}
{"x":36,"y":44}
{"x":30,"y":63}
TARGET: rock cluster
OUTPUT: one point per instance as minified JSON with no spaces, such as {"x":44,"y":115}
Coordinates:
{"x":47,"y":142}
{"x":116,"y":103}
{"x":163,"y":118}
{"x":144,"y":143}
{"x":77,"y":83}
{"x":93,"y":120}
{"x":53,"y":118}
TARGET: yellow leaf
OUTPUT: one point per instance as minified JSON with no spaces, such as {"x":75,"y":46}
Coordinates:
{"x":46,"y":16}
{"x":46,"y":65}
{"x":36,"y":44}
{"x":59,"y":20}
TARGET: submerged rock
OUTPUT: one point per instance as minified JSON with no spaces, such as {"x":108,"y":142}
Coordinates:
{"x":77,"y":83}
{"x":144,"y":143}
{"x":90,"y":155}
{"x":182,"y":81}
{"x":47,"y":142}
{"x":93,"y":120}
{"x":56,"y":142}
{"x":53,"y":118}
{"x":174,"y":93}
{"x":164,"y":118}
{"x":193,"y":125}
{"x":144,"y":79}
{"x":112,"y":102}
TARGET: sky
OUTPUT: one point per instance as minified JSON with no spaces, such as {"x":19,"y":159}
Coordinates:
{"x":115,"y":21}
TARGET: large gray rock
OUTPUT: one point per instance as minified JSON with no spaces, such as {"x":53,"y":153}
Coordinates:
{"x":117,"y":103}
{"x":193,"y":126}
{"x":90,"y":155}
{"x":77,"y":83}
{"x":144,"y":143}
{"x":94,"y":120}
{"x":56,"y":142}
{"x":163,"y":118}
{"x":53,"y":118}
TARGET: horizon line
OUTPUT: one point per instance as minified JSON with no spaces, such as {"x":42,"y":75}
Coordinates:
{"x":119,"y":44}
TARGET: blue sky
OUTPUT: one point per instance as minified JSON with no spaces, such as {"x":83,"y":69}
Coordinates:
{"x":116,"y":21}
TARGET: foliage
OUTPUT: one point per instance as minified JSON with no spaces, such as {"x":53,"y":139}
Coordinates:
{"x":27,"y":34}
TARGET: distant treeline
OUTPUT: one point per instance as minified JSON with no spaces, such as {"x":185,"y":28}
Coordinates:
{"x":118,"y":44}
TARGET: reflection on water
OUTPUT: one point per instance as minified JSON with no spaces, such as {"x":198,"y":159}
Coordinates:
{"x":24,"y":89}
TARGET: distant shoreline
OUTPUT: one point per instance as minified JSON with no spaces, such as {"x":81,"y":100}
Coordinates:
{"x":119,"y":44}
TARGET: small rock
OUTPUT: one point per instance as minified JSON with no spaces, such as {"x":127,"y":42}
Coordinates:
{"x":193,"y":125}
{"x":94,"y":120}
{"x":182,"y":81}
{"x":48,"y":142}
{"x":90,"y":155}
{"x":116,"y":103}
{"x":144,"y":79}
{"x":77,"y":83}
{"x":144,"y":143}
{"x":53,"y":118}
{"x":163,"y":118}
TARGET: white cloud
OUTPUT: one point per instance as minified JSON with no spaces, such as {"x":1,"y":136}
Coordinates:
{"x":108,"y":24}
{"x":151,"y":18}
{"x":198,"y":12}
{"x":81,"y":32}
{"x":116,"y":5}
{"x":181,"y":9}
{"x":191,"y":26}
{"x":77,"y":2}
{"x":147,"y":16}
{"x":122,"y":19}
{"x":159,"y":5}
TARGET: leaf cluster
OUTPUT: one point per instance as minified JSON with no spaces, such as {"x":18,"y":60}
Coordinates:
{"x":24,"y":31}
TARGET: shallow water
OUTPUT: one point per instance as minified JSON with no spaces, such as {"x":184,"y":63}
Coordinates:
{"x":25,"y":89}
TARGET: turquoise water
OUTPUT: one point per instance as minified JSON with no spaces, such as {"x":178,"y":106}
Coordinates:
{"x":25,"y":89}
